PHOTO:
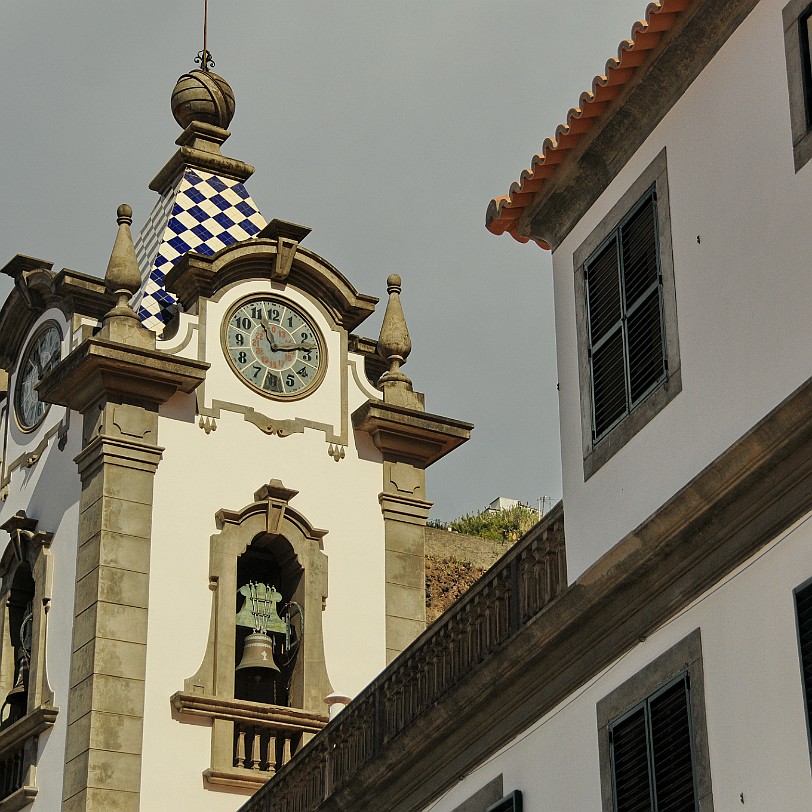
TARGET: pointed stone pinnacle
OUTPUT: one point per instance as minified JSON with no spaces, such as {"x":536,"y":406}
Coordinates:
{"x":123,"y":277}
{"x":394,"y":344}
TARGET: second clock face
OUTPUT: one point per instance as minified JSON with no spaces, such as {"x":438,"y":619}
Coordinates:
{"x":274,"y":347}
{"x":41,"y":356}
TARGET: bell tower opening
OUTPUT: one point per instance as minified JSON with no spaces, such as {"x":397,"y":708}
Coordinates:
{"x":269,"y":622}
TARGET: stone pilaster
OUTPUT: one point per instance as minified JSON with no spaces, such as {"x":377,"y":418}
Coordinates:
{"x":108,"y":664}
{"x":117,"y":380}
{"x":410,"y":440}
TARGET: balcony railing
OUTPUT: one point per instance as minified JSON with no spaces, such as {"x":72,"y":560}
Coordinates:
{"x":474,"y":630}
{"x":18,"y":757}
{"x":264,"y":736}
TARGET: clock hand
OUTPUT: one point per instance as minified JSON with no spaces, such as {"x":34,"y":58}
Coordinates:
{"x":266,"y":326}
{"x":291,"y":347}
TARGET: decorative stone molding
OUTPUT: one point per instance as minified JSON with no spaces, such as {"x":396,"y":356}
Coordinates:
{"x":270,"y":523}
{"x":27,"y":547}
{"x":195,"y":276}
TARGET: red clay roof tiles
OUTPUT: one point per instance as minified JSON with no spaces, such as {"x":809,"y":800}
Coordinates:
{"x":503,"y":212}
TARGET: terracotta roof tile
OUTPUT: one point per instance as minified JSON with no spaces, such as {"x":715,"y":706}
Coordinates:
{"x":503,"y":212}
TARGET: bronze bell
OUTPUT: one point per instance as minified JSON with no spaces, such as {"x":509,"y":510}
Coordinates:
{"x":257,"y":654}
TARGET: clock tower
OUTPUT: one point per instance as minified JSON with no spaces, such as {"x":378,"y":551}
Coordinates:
{"x":216,"y":505}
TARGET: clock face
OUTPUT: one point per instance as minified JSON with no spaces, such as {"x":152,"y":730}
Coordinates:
{"x":274,"y":347}
{"x":42,"y":355}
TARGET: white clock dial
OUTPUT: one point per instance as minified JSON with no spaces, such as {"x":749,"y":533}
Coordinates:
{"x":274,"y":347}
{"x":42,"y":355}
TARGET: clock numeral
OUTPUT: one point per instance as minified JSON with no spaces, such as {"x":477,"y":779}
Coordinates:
{"x":256,"y":312}
{"x":257,"y":369}
{"x":307,"y":356}
{"x":290,"y":380}
{"x":303,"y":372}
{"x":243,"y":322}
{"x":274,"y":315}
{"x":242,"y":358}
{"x":239,"y":340}
{"x":273,"y":382}
{"x":290,"y":322}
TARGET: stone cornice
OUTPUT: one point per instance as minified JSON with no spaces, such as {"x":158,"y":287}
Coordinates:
{"x":408,"y":435}
{"x":755,"y":490}
{"x":241,"y":710}
{"x":99,"y":368}
{"x":200,"y":159}
{"x":32,"y":724}
{"x":196,"y":276}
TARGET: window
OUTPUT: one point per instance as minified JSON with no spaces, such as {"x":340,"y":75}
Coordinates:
{"x":803,"y":609}
{"x":798,"y":50}
{"x":510,"y":803}
{"x":652,"y":737}
{"x":626,"y":314}
{"x":652,"y":758}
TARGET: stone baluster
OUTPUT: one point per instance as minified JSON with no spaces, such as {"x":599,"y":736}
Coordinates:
{"x":240,"y":754}
{"x":285,"y":749}
{"x":271,"y":762}
{"x":255,"y":749}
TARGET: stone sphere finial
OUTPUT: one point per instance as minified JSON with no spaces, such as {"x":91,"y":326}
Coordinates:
{"x":203,"y":96}
{"x":393,"y":283}
{"x":124,"y":214}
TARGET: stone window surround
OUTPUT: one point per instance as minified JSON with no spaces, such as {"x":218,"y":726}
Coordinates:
{"x":800,"y":117}
{"x":596,"y":454}
{"x":686,"y":655}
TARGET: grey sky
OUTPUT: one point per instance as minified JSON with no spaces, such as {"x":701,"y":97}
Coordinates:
{"x":386,"y":127}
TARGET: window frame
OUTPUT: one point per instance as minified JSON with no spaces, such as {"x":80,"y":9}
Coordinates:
{"x":510,"y":803}
{"x":805,"y":689}
{"x":799,"y":78}
{"x":599,"y":450}
{"x":681,"y":661}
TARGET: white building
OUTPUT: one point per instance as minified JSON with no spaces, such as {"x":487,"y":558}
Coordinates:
{"x":181,"y":511}
{"x":671,"y":668}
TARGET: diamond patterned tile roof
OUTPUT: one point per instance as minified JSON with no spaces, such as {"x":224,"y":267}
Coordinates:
{"x":200,"y":212}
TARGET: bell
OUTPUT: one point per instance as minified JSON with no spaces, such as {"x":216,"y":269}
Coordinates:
{"x":258,"y":654}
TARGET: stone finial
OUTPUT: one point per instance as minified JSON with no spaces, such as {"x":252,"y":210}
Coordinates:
{"x":123,"y":279}
{"x":205,"y":97}
{"x":394,"y":344}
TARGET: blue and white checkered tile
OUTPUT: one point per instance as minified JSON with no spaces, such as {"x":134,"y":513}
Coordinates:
{"x":201,"y":213}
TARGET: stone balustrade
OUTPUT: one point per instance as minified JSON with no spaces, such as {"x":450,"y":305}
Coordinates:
{"x":519,"y":586}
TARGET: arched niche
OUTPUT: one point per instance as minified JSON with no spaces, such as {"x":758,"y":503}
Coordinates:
{"x":26,"y":574}
{"x":269,"y":526}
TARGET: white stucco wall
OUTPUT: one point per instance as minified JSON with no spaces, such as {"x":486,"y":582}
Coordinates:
{"x":201,"y":473}
{"x":743,"y":291}
{"x":757,"y":738}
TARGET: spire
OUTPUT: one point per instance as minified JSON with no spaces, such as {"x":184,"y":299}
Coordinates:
{"x":394,"y":346}
{"x":122,"y":279}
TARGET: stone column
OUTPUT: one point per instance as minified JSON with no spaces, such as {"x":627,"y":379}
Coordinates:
{"x":116,"y":380}
{"x":410,"y":440}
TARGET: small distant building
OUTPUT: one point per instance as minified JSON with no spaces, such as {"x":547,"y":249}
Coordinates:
{"x":503,"y":503}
